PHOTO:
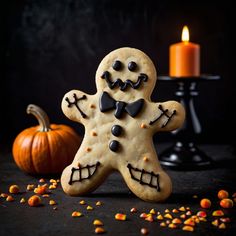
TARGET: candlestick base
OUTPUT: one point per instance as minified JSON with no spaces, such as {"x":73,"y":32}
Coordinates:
{"x":185,"y":154}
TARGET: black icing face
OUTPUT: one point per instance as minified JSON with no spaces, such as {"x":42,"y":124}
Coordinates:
{"x":123,"y":85}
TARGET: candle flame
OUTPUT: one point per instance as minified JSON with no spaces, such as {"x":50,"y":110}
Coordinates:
{"x":185,"y":34}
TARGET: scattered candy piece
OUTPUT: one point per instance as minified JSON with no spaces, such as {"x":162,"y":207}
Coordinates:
{"x":223,"y":194}
{"x":143,"y":126}
{"x":144,"y":231}
{"x":14,"y":189}
{"x":222,"y":226}
{"x":22,"y":200}
{"x":52,"y":181}
{"x":176,"y":221}
{"x":40,"y":190}
{"x":98,"y":203}
{"x":169,"y":216}
{"x":45,"y":195}
{"x":163,"y":224}
{"x":202,"y":214}
{"x":172,"y":226}
{"x":34,"y":201}
{"x":215,"y":222}
{"x":218,"y":213}
{"x":99,"y":230}
{"x":30,"y":187}
{"x":183,"y":216}
{"x":225,"y":220}
{"x":160,"y":217}
{"x":54,"y":208}
{"x":76,"y":214}
{"x":42,"y":180}
{"x":188,"y":213}
{"x":234,"y":195}
{"x":152,"y":211}
{"x":120,"y":216}
{"x":97,"y":223}
{"x":205,"y":203}
{"x":149,"y":218}
{"x":4,"y":195}
{"x":175,"y":211}
{"x":10,"y":198}
{"x":188,"y":228}
{"x":182,"y":208}
{"x":82,"y":202}
{"x":195,"y":196}
{"x":52,"y":186}
{"x":89,"y":208}
{"x":143,"y":215}
{"x":189,"y":221}
{"x":52,"y":202}
{"x":226,"y":203}
{"x":133,"y":210}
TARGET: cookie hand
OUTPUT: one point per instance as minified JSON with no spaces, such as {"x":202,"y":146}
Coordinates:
{"x":167,"y":116}
{"x":74,"y":105}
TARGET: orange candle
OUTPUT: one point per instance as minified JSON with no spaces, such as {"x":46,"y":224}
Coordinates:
{"x":184,"y":57}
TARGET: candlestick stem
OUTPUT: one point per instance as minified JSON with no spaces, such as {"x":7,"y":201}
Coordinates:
{"x":184,"y":153}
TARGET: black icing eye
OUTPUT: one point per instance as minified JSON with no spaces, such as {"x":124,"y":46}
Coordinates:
{"x":132,"y":66}
{"x":117,"y":65}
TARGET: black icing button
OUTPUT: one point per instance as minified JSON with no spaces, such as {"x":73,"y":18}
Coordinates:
{"x":116,"y":130}
{"x":114,"y":145}
{"x":117,"y":65}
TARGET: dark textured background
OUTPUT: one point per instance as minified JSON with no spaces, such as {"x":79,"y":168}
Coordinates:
{"x":50,"y":47}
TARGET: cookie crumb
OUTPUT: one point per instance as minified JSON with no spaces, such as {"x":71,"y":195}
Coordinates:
{"x":92,"y":106}
{"x":145,"y":158}
{"x":94,"y":133}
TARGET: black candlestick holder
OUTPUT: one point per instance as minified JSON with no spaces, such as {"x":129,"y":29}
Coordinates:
{"x":184,"y":153}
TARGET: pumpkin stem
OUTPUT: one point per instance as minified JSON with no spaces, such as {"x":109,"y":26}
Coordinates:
{"x":41,"y":116}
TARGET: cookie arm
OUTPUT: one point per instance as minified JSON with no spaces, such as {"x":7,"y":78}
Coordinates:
{"x":166,"y":116}
{"x":75,"y":105}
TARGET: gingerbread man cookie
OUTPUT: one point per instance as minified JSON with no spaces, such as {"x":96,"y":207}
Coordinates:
{"x":120,"y":121}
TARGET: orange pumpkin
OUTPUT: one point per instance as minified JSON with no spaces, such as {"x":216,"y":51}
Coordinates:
{"x":46,"y":148}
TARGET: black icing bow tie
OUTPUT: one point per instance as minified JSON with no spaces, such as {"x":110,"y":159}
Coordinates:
{"x":107,"y":103}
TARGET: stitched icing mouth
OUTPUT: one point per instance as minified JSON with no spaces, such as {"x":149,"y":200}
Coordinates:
{"x":123,"y":85}
{"x":83,"y":173}
{"x":144,"y":177}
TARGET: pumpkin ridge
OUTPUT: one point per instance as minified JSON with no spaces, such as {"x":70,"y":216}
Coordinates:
{"x":31,"y":156}
{"x":58,"y":131}
{"x":49,"y":152}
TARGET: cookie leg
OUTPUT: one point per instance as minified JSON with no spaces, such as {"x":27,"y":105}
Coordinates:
{"x":148,"y":185}
{"x":81,"y":180}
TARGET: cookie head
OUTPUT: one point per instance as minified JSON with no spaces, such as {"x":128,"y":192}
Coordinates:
{"x":126,"y":70}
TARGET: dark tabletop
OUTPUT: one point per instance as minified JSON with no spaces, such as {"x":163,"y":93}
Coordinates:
{"x":21,"y":219}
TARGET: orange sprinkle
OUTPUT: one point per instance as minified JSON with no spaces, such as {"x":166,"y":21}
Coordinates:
{"x":45,"y":195}
{"x":94,"y":133}
{"x":144,"y":231}
{"x":172,"y":226}
{"x":175,"y":211}
{"x":88,"y":149}
{"x":40,"y":190}
{"x":163,"y":224}
{"x":92,"y":106}
{"x":176,"y":221}
{"x":143,"y":126}
{"x":189,"y":221}
{"x":149,"y":218}
{"x":42,"y":180}
{"x":145,"y":159}
{"x":143,"y":215}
